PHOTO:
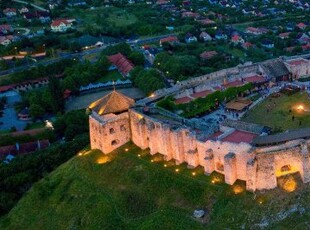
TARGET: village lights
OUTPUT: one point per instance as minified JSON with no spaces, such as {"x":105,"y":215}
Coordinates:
{"x":139,"y":155}
{"x":193,"y":174}
{"x":165,"y":165}
{"x":126,"y":150}
{"x":300,"y":108}
{"x":177,"y":170}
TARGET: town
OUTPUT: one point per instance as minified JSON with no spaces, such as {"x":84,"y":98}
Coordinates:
{"x":193,"y":114}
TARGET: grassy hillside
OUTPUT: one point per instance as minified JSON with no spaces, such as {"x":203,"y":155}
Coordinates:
{"x":132,"y":190}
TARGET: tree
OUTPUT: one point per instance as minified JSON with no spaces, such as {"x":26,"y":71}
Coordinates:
{"x":137,"y":58}
{"x":57,"y":100}
{"x":36,"y":111}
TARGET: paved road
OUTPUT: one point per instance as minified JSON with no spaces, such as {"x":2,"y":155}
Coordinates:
{"x":33,"y":5}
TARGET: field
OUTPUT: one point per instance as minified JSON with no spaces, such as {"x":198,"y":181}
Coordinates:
{"x":280,"y":112}
{"x":133,"y":190}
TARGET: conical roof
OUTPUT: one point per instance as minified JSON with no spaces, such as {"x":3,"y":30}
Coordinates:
{"x":114,"y":102}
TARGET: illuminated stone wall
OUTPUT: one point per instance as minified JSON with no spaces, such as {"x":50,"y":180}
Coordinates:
{"x":259,"y":167}
{"x":107,"y":134}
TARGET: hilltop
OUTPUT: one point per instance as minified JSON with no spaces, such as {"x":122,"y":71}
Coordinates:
{"x":130,"y":189}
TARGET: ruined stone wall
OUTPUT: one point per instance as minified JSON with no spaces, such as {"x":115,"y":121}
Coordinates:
{"x":108,"y":135}
{"x":301,"y":70}
{"x":273,"y":164}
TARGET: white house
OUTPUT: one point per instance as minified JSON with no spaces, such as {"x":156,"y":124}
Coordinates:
{"x":61,"y":25}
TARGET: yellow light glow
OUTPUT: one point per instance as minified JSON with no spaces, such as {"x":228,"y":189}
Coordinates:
{"x":289,"y":185}
{"x":139,"y":155}
{"x":177,"y":170}
{"x":193,"y":174}
{"x":213,"y":181}
{"x":165,"y":165}
{"x":152,"y":160}
{"x":300,"y":108}
{"x":126,"y":150}
{"x":238,"y":189}
{"x":103,"y":160}
{"x":152,"y":95}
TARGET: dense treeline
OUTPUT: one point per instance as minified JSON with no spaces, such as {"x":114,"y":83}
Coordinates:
{"x":202,"y":105}
{"x":40,"y":71}
{"x":17,"y":177}
{"x":148,"y":80}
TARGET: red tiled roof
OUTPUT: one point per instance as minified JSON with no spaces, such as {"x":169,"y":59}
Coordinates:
{"x":9,"y":10}
{"x":235,"y":38}
{"x":239,"y":136}
{"x":301,"y":25}
{"x":201,"y":94}
{"x":284,"y":35}
{"x":297,"y":62}
{"x":208,"y":54}
{"x":5,"y":27}
{"x":235,"y":83}
{"x":183,"y":100}
{"x":206,"y":21}
{"x":255,"y":79}
{"x":6,"y":88}
{"x":122,"y":63}
{"x":57,"y":22}
{"x":169,"y":39}
{"x":23,"y":148}
{"x":215,"y":135}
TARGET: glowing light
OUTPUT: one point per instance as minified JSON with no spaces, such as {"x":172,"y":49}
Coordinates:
{"x":152,"y":95}
{"x":139,"y":155}
{"x":103,"y":160}
{"x":289,"y":185}
{"x":49,"y":124}
{"x":238,"y":189}
{"x":300,"y":108}
{"x":152,"y":160}
{"x":213,"y":181}
{"x":165,"y":165}
{"x":177,"y":170}
{"x":80,"y":154}
{"x":193,"y":174}
{"x":126,"y":150}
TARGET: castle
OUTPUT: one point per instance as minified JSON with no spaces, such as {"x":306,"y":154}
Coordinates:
{"x":238,"y":150}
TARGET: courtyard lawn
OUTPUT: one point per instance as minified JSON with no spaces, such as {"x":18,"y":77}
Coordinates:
{"x":279,"y":117}
{"x":130,"y":189}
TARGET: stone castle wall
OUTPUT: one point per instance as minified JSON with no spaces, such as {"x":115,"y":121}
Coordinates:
{"x":107,"y":135}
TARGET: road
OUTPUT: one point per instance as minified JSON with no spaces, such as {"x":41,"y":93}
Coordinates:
{"x":33,"y":5}
{"x":77,"y":55}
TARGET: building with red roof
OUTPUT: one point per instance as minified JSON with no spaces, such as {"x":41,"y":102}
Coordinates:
{"x":9,"y":12}
{"x":170,"y":39}
{"x":208,"y":54}
{"x":123,"y":64}
{"x":61,"y":25}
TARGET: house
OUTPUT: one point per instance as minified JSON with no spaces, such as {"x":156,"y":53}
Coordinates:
{"x":275,"y":70}
{"x":256,"y":31}
{"x":9,"y":12}
{"x":301,"y":26}
{"x":284,"y":35}
{"x":236,"y":39}
{"x":6,"y":40}
{"x":77,"y":3}
{"x":303,"y":38}
{"x":43,"y":16}
{"x":205,"y":36}
{"x":247,"y":45}
{"x":208,"y":55}
{"x":189,"y":38}
{"x":189,"y":14}
{"x":206,"y":22}
{"x":267,"y":44}
{"x":23,"y":10}
{"x":170,"y":39}
{"x":61,"y":25}
{"x":6,"y":29}
{"x":290,"y":26}
{"x":123,"y":65}
{"x":220,"y":35}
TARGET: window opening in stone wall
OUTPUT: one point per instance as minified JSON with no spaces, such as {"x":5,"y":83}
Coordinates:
{"x":123,"y":128}
{"x":112,"y":131}
{"x":114,"y":142}
{"x":219,"y":166}
{"x":286,"y":168}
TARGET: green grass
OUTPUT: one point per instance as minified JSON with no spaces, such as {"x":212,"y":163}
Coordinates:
{"x":279,"y":116}
{"x":111,"y":76}
{"x":36,"y":125}
{"x":131,"y":192}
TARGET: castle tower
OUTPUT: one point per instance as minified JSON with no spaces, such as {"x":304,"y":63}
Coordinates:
{"x":109,"y":122}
